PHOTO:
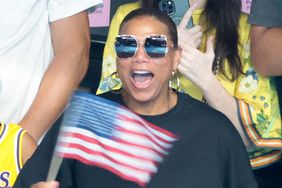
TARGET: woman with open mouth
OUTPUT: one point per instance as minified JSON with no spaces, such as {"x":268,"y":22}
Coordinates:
{"x":207,"y":152}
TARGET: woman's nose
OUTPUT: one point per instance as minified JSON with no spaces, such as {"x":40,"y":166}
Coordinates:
{"x":141,"y":54}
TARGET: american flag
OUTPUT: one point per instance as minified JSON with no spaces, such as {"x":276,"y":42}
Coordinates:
{"x":102,"y":133}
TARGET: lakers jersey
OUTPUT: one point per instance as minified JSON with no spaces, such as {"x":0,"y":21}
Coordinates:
{"x":11,"y":137}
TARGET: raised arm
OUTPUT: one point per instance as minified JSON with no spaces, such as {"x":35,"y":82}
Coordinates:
{"x":196,"y":66}
{"x":71,"y":41}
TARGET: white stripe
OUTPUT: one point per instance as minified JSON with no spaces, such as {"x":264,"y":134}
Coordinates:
{"x":266,"y":158}
{"x":109,"y":109}
{"x":245,"y":115}
{"x":142,"y":176}
{"x":147,"y":153}
{"x":140,"y":129}
{"x":140,"y":140}
{"x":160,"y":134}
{"x":4,"y":133}
{"x":245,"y":119}
{"x":72,"y":117}
{"x":125,"y":112}
{"x":131,"y":161}
{"x":93,"y":103}
{"x":156,"y":132}
{"x":16,"y":149}
{"x":88,"y":113}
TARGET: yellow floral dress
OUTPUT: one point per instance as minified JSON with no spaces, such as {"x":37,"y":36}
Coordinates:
{"x":257,"y":99}
{"x":257,"y":102}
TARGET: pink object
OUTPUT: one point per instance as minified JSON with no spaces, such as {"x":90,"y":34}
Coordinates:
{"x":246,"y":6}
{"x":101,"y":16}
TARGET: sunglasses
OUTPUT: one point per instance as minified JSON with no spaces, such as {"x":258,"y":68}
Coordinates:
{"x":156,"y":46}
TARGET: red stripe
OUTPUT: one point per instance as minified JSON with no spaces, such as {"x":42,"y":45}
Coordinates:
{"x":93,"y":140}
{"x":102,"y":154}
{"x":140,"y":146}
{"x":152,"y":126}
{"x":152,"y":135}
{"x":106,"y":147}
{"x":132,"y":132}
{"x":107,"y":167}
{"x":142,"y":135}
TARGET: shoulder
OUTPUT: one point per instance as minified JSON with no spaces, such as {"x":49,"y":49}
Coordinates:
{"x":198,"y":107}
{"x":211,"y":123}
{"x":204,"y":116}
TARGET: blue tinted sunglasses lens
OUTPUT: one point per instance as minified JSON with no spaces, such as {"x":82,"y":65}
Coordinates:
{"x":156,"y":46}
{"x":125,"y":46}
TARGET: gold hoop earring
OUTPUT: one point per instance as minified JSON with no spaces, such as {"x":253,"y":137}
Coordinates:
{"x":174,"y":82}
{"x":114,"y":83}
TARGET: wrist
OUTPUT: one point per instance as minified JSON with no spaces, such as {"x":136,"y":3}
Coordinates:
{"x":208,"y":83}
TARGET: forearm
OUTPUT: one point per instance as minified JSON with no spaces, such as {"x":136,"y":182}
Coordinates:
{"x":218,"y":98}
{"x":71,"y":43}
{"x":266,"y":46}
{"x":61,"y":79}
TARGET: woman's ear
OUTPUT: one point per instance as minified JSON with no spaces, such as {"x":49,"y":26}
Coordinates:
{"x":177,"y":57}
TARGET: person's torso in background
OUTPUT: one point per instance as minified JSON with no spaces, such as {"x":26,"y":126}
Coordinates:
{"x":11,"y":153}
{"x":25,"y":53}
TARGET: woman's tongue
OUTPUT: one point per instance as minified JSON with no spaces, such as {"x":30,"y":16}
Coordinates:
{"x":142,"y":79}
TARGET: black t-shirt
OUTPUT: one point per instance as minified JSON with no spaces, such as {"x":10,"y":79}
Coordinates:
{"x":208,"y":153}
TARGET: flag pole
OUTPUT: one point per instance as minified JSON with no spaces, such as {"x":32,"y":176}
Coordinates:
{"x":54,"y":167}
{"x":56,"y":161}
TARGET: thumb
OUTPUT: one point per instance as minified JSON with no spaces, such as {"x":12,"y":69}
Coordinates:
{"x":209,"y":45}
{"x":54,"y":184}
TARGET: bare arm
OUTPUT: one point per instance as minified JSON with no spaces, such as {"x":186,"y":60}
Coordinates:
{"x":219,"y":99}
{"x":29,"y":146}
{"x":266,"y":47}
{"x":196,"y":66}
{"x":71,"y":42}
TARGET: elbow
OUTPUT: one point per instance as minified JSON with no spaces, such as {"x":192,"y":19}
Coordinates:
{"x":84,"y":61}
{"x":82,"y":51}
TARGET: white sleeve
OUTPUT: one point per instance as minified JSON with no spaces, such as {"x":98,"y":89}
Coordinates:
{"x":64,"y":8}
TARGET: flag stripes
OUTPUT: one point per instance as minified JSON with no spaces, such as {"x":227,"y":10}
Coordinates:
{"x":99,"y":132}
